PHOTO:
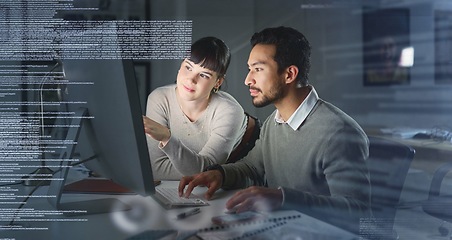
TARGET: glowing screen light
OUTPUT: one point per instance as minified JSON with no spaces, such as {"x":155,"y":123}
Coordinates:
{"x":407,"y":57}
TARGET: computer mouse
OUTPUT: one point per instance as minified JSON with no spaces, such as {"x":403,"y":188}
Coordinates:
{"x":422,"y":136}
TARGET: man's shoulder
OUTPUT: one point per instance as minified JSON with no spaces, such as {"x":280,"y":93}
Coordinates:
{"x":330,"y":111}
{"x":327,"y":114}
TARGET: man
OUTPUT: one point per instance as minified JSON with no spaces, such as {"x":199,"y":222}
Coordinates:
{"x":310,"y":156}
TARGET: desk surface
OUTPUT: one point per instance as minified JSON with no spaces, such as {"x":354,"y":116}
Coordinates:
{"x":146,"y":216}
{"x":417,"y":143}
{"x":430,"y":153}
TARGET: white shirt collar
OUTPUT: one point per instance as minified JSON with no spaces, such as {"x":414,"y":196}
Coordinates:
{"x":302,"y":111}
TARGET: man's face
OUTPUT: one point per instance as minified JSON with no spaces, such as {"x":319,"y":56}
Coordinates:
{"x":266,"y":85}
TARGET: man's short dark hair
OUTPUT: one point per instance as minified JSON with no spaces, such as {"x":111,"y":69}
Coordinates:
{"x":292,"y":48}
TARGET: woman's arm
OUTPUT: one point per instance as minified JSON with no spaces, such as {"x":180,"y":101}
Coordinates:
{"x":222,"y":129}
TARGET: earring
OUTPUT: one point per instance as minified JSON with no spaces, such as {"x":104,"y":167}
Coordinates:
{"x":215,"y":89}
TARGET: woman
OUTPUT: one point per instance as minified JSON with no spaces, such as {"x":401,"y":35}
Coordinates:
{"x":191,"y":124}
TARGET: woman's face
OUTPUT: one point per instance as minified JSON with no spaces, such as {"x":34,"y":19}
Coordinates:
{"x":195,"y":83}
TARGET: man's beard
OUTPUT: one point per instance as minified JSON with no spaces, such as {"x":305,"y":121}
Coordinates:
{"x":275,"y":94}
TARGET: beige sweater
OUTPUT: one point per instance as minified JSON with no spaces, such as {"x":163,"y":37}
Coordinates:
{"x":193,"y":145}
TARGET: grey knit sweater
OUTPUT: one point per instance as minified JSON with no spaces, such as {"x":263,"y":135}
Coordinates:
{"x":321,"y":166}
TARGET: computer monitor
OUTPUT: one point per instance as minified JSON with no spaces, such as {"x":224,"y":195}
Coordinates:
{"x":107,"y":127}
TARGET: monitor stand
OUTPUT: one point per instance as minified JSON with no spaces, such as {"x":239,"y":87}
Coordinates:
{"x":56,"y":188}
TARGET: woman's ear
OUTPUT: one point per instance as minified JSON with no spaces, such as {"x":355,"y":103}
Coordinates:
{"x":219,"y":82}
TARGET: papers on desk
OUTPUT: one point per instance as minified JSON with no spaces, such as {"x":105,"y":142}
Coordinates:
{"x":245,"y":231}
{"x":286,"y":225}
{"x":292,"y":225}
{"x":165,"y":235}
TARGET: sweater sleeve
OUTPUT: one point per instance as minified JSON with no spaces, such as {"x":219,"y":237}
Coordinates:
{"x":250,"y":169}
{"x":225,"y":132}
{"x":158,"y":109}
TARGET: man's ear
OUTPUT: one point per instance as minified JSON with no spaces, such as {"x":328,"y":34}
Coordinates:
{"x":291,"y":73}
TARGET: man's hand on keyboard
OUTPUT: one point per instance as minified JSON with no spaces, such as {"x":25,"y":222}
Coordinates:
{"x":212,"y":179}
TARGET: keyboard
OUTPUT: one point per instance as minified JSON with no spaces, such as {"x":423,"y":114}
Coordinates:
{"x":169,"y":197}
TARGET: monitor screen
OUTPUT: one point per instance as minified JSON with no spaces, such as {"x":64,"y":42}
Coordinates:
{"x":106,"y":123}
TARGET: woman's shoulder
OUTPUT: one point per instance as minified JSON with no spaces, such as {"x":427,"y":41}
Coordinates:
{"x":222,"y":98}
{"x":163,"y":92}
{"x":225,"y":96}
